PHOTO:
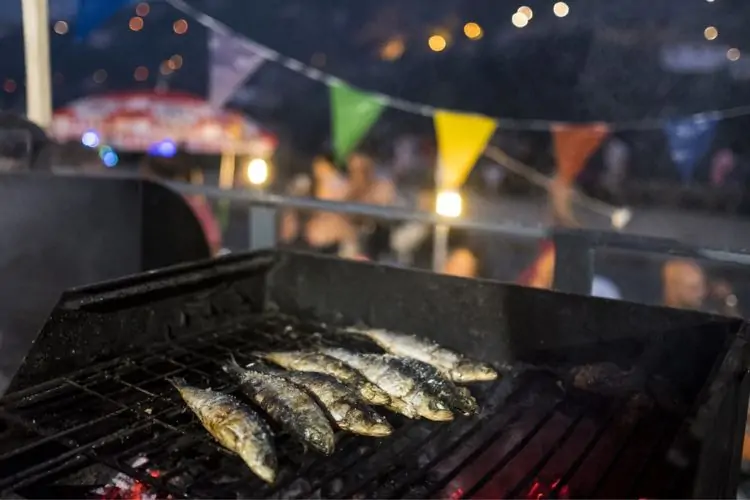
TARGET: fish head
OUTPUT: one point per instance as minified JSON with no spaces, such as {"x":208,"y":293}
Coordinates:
{"x":374,"y":394}
{"x":473,"y":371}
{"x":435,"y":409}
{"x":368,"y":424}
{"x":466,"y":404}
{"x":320,"y":437}
{"x":261,"y":461}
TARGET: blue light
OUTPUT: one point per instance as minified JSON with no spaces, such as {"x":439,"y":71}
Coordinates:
{"x":90,"y":139}
{"x":165,"y":148}
{"x":110,"y":159}
{"x":104,"y":150}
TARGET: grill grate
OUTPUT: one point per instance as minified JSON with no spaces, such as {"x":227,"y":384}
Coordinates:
{"x":533,"y":439}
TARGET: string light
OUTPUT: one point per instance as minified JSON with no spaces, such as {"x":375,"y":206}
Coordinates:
{"x":710,"y":33}
{"x":61,"y":27}
{"x":9,"y":86}
{"x":142,"y":9}
{"x":165,"y":68}
{"x":561,"y":9}
{"x":473,"y":31}
{"x":136,"y":23}
{"x":437,"y":43}
{"x":100,"y":75}
{"x":180,"y":26}
{"x":733,"y":54}
{"x":141,"y":73}
{"x":393,"y":49}
{"x":519,"y":20}
{"x":175,"y":62}
{"x":526,"y":11}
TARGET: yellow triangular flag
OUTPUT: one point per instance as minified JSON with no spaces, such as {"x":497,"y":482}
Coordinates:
{"x":461,"y":138}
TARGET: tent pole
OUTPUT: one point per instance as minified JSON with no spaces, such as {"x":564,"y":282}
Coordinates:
{"x":37,"y":60}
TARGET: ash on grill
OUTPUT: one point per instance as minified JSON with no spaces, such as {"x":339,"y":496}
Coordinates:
{"x":535,"y":437}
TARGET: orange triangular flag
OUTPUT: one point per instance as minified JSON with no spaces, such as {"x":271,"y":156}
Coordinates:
{"x":574,"y":145}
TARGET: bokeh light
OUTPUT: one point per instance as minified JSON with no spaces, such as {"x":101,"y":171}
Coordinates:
{"x":526,"y":11}
{"x":175,"y":62}
{"x":519,"y":20}
{"x":141,"y":73}
{"x":473,"y":31}
{"x":136,"y":23}
{"x":561,"y":9}
{"x":733,"y":54}
{"x":142,"y":9}
{"x":437,"y":43}
{"x":710,"y":33}
{"x":60,"y":27}
{"x":10,"y":86}
{"x":180,"y":26}
{"x":393,"y":49}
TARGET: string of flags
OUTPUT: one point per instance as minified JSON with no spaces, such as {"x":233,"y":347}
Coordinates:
{"x":461,"y":136}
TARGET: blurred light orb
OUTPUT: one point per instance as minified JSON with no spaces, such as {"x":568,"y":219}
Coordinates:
{"x":61,"y":27}
{"x":393,"y":49}
{"x":526,"y":11}
{"x":180,"y":26}
{"x":473,"y":31}
{"x":110,"y":159}
{"x":710,"y":33}
{"x":519,"y":20}
{"x":733,"y":54}
{"x":437,"y":43}
{"x":175,"y":62}
{"x":449,"y":204}
{"x":142,"y":9}
{"x":136,"y":23}
{"x":90,"y":139}
{"x":257,"y":171}
{"x":141,"y":73}
{"x":561,"y":9}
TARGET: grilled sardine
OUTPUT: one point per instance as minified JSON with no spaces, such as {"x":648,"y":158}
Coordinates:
{"x":452,"y":364}
{"x":306,"y":361}
{"x":408,"y":395}
{"x":457,"y":398}
{"x":348,"y":411}
{"x":235,"y":426}
{"x":287,"y":404}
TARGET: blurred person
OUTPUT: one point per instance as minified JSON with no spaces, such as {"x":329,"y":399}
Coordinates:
{"x":722,"y":299}
{"x":177,"y":169}
{"x":684,"y":284}
{"x":366,"y":186}
{"x":326,"y":232}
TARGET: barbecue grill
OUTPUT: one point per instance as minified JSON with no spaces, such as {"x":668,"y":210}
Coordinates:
{"x":599,"y":398}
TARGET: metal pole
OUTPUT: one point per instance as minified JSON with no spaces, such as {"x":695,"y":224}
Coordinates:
{"x":36,"y":51}
{"x":440,"y":247}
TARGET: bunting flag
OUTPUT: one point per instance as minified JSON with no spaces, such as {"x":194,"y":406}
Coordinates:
{"x":353,"y":113}
{"x":574,"y":145}
{"x":461,"y":138}
{"x":689,"y":139}
{"x":93,"y":13}
{"x":232,"y":61}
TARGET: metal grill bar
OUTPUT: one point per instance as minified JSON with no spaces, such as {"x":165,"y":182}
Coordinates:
{"x":530,"y":433}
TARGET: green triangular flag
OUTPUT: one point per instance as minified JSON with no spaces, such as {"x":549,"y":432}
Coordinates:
{"x":353,"y":113}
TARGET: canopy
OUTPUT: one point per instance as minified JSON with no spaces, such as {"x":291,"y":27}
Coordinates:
{"x":136,"y":121}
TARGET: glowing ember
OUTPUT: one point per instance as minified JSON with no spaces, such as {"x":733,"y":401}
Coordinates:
{"x":123,"y":486}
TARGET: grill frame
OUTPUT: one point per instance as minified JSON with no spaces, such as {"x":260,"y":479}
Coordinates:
{"x":103,"y":320}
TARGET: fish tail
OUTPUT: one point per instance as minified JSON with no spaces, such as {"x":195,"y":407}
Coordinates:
{"x":232,"y":367}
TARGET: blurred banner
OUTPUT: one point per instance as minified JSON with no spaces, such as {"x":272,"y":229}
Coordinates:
{"x":232,"y":60}
{"x":689,"y":139}
{"x":353,"y":113}
{"x":574,"y":145}
{"x":461,"y":139}
{"x":93,"y":13}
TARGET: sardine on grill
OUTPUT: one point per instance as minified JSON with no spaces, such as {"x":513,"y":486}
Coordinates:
{"x":293,"y":408}
{"x":457,"y":398}
{"x":452,"y":364}
{"x":308,"y":361}
{"x":347,"y":410}
{"x":235,"y":426}
{"x":409,"y":396}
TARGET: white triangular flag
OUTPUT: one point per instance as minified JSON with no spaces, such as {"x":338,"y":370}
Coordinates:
{"x":232,"y":61}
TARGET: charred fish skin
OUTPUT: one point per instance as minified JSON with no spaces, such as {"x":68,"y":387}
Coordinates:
{"x":452,"y":364}
{"x":346,"y":408}
{"x":408,"y":395}
{"x":316,"y":362}
{"x":234,"y":426}
{"x":290,"y":406}
{"x":457,"y":398}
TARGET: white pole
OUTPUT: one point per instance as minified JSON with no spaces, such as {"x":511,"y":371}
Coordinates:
{"x":36,"y":49}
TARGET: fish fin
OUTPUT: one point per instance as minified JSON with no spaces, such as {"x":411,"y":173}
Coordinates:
{"x":177,"y":382}
{"x":232,"y":367}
